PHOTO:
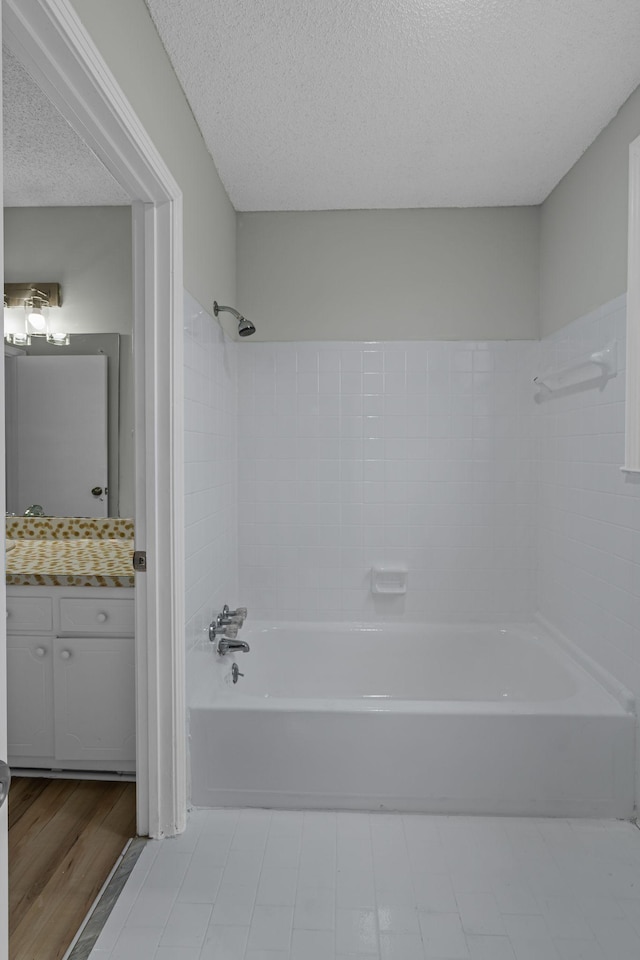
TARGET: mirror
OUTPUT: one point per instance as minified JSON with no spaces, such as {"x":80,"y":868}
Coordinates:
{"x":69,"y":426}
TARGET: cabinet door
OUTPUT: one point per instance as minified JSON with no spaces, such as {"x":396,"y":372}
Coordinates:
{"x":30,"y":696}
{"x":94,"y":696}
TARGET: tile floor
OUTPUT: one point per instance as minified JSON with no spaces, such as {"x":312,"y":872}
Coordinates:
{"x":263,"y":885}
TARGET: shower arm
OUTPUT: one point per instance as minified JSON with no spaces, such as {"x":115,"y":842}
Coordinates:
{"x":218,"y":308}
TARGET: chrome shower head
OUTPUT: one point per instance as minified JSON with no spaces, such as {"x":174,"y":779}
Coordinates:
{"x":245,"y":327}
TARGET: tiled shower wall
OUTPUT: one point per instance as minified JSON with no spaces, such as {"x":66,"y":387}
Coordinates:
{"x":589,"y":513}
{"x":419,"y":454}
{"x":430,"y":455}
{"x":210,"y":469}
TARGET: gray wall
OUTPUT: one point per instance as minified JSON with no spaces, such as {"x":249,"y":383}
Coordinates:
{"x":583,"y":227}
{"x":127,"y":39}
{"x":88,"y":250}
{"x":390,"y":274}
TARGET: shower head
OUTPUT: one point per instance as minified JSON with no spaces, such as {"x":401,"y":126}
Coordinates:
{"x":245,"y":327}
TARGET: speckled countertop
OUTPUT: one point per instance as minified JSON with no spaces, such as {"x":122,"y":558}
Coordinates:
{"x":70,"y":553}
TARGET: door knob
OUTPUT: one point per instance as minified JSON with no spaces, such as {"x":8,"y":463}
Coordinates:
{"x":5,"y":781}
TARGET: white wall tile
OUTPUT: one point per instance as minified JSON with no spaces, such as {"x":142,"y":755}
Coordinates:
{"x":387,"y":473}
{"x":589,"y":514}
{"x":211,"y":391}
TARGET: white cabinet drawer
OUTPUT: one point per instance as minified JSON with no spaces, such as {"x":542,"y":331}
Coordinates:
{"x":97,"y":616}
{"x":29,"y":613}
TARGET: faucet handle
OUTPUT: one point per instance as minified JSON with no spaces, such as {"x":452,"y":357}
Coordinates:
{"x":239,"y":614}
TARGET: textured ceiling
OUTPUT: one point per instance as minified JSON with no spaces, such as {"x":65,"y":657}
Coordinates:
{"x":46,"y":164}
{"x":320,"y":104}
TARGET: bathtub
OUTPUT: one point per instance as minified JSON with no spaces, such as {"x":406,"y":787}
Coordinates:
{"x":473,"y":719}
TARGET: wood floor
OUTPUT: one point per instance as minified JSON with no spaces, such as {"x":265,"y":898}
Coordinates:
{"x":64,"y":839}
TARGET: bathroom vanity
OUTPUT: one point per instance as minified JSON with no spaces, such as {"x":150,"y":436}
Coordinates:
{"x":71,"y":654}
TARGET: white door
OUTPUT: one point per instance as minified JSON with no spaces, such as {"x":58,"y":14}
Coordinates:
{"x":58,"y":451}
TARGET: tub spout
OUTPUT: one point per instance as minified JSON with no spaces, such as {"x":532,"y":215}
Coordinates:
{"x":226,"y":645}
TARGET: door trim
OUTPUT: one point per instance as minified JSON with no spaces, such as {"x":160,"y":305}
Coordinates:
{"x":632,"y":406}
{"x":51,"y":42}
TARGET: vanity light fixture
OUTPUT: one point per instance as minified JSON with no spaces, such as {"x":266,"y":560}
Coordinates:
{"x":36,"y":299}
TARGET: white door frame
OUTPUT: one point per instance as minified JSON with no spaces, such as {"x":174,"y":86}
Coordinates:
{"x":632,"y":407}
{"x":51,"y":42}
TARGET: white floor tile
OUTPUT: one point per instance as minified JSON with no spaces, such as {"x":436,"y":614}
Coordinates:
{"x":434,"y":893}
{"x":565,"y":920}
{"x":271,"y":928}
{"x":356,"y":932}
{"x":234,"y":906}
{"x":213,"y":849}
{"x":535,"y":949}
{"x":355,"y":889}
{"x":177,"y":953}
{"x":167,"y":871}
{"x":394,"y":889}
{"x":225,"y":943}
{"x":250,"y":835}
{"x":151,"y":908}
{"x":319,"y":872}
{"x":314,"y":908}
{"x":262,"y":885}
{"x":579,"y":950}
{"x":401,"y":946}
{"x":201,"y":883}
{"x":137,"y":943}
{"x":479,"y":914}
{"x":277,"y":887}
{"x":286,"y":823}
{"x":392,"y":919}
{"x":442,"y":936}
{"x":616,"y":936}
{"x":242,"y":868}
{"x":264,"y":955}
{"x":513,"y":896}
{"x":282,"y":851}
{"x":490,"y":948}
{"x":186,"y":925}
{"x":219,"y":822}
{"x":312,"y":945}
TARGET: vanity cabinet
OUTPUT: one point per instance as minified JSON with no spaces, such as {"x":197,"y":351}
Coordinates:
{"x":30,"y":696}
{"x":71,"y":678}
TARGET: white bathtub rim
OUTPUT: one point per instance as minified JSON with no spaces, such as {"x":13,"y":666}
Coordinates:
{"x":614,"y":687}
{"x":577,"y":706}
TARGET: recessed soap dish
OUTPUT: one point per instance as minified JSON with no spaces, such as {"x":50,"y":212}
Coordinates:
{"x":390,"y":580}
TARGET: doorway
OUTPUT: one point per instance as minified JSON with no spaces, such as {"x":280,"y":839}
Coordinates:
{"x":54,"y":49}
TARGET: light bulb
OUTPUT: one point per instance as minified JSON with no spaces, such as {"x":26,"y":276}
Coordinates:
{"x":36,"y":320}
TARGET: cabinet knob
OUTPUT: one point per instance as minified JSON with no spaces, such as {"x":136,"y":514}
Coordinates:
{"x":40,"y":652}
{"x":66,"y":654}
{"x":101,"y":618}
